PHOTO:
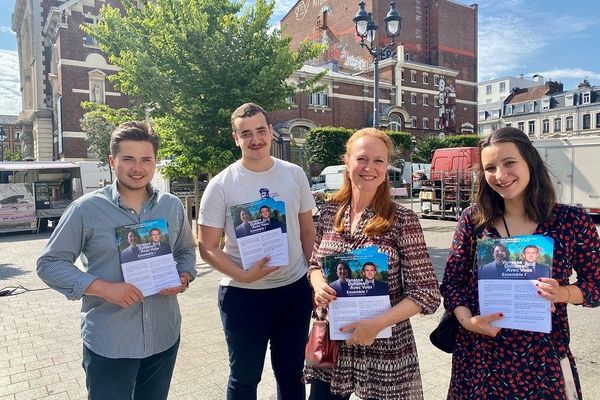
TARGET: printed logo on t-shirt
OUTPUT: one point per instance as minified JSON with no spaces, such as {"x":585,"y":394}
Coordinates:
{"x":265,"y":194}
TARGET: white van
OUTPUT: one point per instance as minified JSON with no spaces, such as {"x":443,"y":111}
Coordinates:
{"x":94,"y":175}
{"x":332,"y":177}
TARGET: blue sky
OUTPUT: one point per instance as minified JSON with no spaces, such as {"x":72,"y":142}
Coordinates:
{"x":553,"y":38}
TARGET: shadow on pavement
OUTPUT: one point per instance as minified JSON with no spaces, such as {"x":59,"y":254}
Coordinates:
{"x":10,"y":271}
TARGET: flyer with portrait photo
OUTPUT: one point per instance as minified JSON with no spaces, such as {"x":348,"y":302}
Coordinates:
{"x":360,"y":279}
{"x":508,"y":270}
{"x":146,"y":258}
{"x":260,"y":230}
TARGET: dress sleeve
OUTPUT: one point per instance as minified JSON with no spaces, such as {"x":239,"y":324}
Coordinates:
{"x":420,"y":282}
{"x":586,"y":259}
{"x":458,"y":285}
{"x":315,"y":260}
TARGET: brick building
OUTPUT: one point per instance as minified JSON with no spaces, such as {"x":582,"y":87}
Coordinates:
{"x":10,"y":133}
{"x":59,"y":67}
{"x":438,"y":43}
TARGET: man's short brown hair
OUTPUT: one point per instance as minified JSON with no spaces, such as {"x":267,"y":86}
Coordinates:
{"x":137,"y":131}
{"x":248,"y":110}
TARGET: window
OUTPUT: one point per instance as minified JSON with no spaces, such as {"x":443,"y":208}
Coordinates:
{"x":531,"y":107}
{"x":587,"y":121}
{"x":290,"y":100}
{"x":531,"y":128}
{"x":425,"y":79}
{"x":436,"y":124}
{"x":413,"y":76}
{"x":545,"y":104}
{"x":396,"y":123}
{"x":569,"y":100}
{"x":586,"y":98}
{"x":508,"y":109}
{"x":414,"y":121}
{"x":425,"y":100}
{"x":557,"y":125}
{"x":425,"y":123}
{"x":88,"y":40}
{"x":546,"y":126}
{"x":436,"y":100}
{"x":502,"y":87}
{"x":519,"y":108}
{"x":436,"y":80}
{"x":482,"y":115}
{"x":413,"y":98}
{"x":508,"y":125}
{"x":96,"y":82}
{"x":598,"y":120}
{"x":318,"y":99}
{"x":488,"y":89}
{"x":569,"y":123}
{"x":401,"y":74}
{"x":521,"y":126}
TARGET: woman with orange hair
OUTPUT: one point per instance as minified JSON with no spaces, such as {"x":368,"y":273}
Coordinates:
{"x":362,"y":214}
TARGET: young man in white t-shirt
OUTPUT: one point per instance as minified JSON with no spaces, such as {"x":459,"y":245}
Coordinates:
{"x":263,"y":303}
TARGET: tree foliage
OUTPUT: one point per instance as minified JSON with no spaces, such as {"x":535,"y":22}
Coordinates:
{"x":326,"y":146}
{"x":10,"y":155}
{"x":98,"y":123}
{"x":192,"y":62}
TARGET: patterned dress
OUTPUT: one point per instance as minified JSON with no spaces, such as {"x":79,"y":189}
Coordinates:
{"x":389,"y":368}
{"x":520,"y":364}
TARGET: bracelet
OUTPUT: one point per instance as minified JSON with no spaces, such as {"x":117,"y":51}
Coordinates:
{"x":568,"y":290}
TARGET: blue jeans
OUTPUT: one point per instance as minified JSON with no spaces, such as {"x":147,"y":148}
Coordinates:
{"x":253,"y":318}
{"x":126,"y":378}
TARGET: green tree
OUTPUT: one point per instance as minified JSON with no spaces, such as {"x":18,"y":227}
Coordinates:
{"x":98,"y":123}
{"x":10,"y":155}
{"x":192,"y":62}
{"x":326,"y":146}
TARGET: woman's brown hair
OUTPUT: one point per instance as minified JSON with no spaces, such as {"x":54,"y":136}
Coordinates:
{"x":540,"y":196}
{"x":382,"y":205}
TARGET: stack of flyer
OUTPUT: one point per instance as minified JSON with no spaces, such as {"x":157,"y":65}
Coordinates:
{"x":360,"y":279}
{"x":260,"y":231}
{"x":508,"y":270}
{"x":146,"y":258}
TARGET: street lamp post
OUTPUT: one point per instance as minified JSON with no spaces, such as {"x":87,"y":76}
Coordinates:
{"x":2,"y":138}
{"x":366,"y":29}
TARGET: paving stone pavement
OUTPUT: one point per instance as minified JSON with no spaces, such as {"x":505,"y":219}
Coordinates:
{"x":40,"y":346}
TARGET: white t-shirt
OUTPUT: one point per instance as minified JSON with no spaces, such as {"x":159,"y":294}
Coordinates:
{"x":237,"y":185}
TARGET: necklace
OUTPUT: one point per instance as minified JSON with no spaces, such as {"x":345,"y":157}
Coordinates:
{"x":505,"y":225}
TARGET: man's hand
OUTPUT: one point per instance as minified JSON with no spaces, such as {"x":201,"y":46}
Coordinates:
{"x":185,"y":283}
{"x":257,"y":271}
{"x":120,"y":293}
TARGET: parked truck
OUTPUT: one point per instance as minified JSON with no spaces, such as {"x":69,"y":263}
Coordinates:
{"x":573,"y":165}
{"x":451,"y":184}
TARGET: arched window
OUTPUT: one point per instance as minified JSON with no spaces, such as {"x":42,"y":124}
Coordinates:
{"x":396,"y":122}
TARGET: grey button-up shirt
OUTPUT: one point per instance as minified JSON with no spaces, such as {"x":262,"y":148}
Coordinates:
{"x":87,"y":228}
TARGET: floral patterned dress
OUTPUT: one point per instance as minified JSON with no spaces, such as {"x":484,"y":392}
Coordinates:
{"x":389,"y":368}
{"x":520,"y":364}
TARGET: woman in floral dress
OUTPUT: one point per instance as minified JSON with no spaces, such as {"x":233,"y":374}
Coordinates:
{"x":516,"y":197}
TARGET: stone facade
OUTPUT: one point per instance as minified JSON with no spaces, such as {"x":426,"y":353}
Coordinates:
{"x":69,"y":69}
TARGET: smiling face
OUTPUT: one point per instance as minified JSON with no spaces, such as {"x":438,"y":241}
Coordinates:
{"x":155,"y":235}
{"x":131,"y":238}
{"x":244,"y":215}
{"x":342,"y":272}
{"x":369,"y":272}
{"x":253,"y":135}
{"x":506,"y":171}
{"x":367,"y":163}
{"x":265,"y":213}
{"x":499,"y":254}
{"x":134,"y":165}
{"x":530,"y":254}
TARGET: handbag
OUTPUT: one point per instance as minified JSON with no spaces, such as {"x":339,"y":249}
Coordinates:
{"x":320,"y":351}
{"x":444,"y":335}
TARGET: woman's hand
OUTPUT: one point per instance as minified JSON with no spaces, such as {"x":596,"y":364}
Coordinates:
{"x":324,"y":294}
{"x":550,"y":289}
{"x":363,"y":332}
{"x":482,"y":324}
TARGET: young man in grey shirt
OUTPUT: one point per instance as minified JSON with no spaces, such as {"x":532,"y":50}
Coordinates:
{"x":129,"y":342}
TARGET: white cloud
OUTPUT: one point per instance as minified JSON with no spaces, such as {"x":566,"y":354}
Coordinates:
{"x":10,"y":93}
{"x":569,"y":73}
{"x":6,"y":29}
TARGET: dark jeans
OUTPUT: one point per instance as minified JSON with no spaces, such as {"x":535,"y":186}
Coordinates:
{"x":121,"y":378}
{"x":253,"y":318}
{"x":320,"y":390}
